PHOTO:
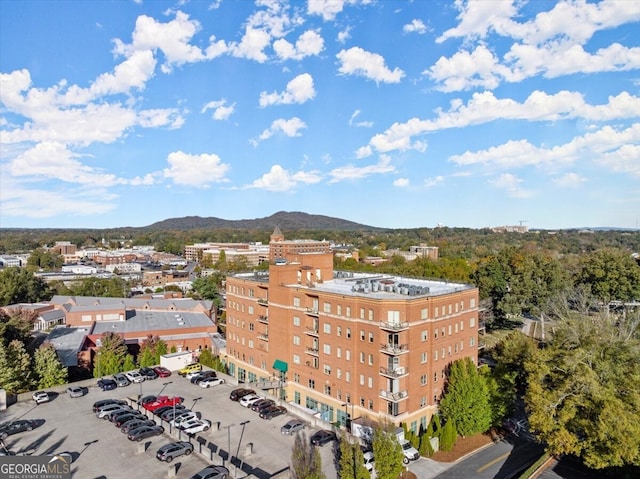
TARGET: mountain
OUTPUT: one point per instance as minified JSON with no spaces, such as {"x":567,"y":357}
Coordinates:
{"x":286,"y":220}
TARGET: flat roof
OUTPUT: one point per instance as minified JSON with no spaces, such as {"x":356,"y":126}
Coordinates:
{"x":68,"y":342}
{"x":144,"y":320}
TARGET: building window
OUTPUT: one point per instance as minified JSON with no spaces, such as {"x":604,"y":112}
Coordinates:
{"x":461,"y":325}
{"x":296,"y":378}
{"x":361,"y":335}
{"x":338,"y":352}
{"x":435,"y":355}
{"x":423,"y":358}
{"x":443,"y":332}
{"x":296,"y":359}
{"x":326,"y":348}
{"x":472,"y":303}
{"x":361,"y":313}
{"x":371,"y":404}
{"x":251,"y":344}
{"x":362,"y":357}
{"x":296,"y":397}
{"x":327,"y":328}
{"x":424,"y":313}
{"x":455,"y":328}
{"x":424,"y":335}
{"x":472,"y":341}
{"x":435,"y":377}
{"x":348,"y":333}
{"x":455,"y":348}
{"x":472,"y":322}
{"x":370,"y":383}
{"x":371,"y":337}
{"x":312,"y":384}
{"x":296,"y":321}
{"x":251,"y":327}
{"x":371,"y":360}
{"x":296,"y":302}
{"x":435,"y":334}
{"x":450,"y":309}
{"x":361,"y":401}
{"x":436,"y":312}
{"x":371,"y":315}
{"x":327,"y":307}
{"x":327,"y":390}
{"x":348,"y":354}
{"x":423,"y":401}
{"x":338,"y":330}
{"x":250,"y":309}
{"x":347,"y":376}
{"x":423,"y":380}
{"x":348,"y":311}
{"x":362,"y":380}
{"x":296,"y":340}
{"x":339,"y":373}
{"x":327,"y":369}
{"x":449,"y":351}
{"x":449,"y":330}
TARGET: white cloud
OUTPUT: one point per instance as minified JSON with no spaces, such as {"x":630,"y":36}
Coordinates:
{"x":401,"y":183}
{"x":221,"y":110}
{"x":511,"y":184}
{"x":433,"y":181}
{"x":299,"y":90}
{"x":351,"y":172}
{"x":327,"y":9}
{"x":478,"y":18}
{"x":416,"y":26}
{"x":198,"y":171}
{"x":279,"y":179}
{"x":485,"y":107}
{"x":356,"y":61}
{"x":353,"y":122}
{"x":290,"y":128}
{"x":344,"y":35}
{"x":625,"y":159}
{"x":569,"y":180}
{"x":309,"y":43}
{"x":252,"y":45}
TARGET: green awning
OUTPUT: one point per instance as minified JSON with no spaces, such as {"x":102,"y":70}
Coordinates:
{"x":281,"y":366}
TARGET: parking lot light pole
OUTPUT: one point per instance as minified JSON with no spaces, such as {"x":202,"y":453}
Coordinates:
{"x":195,"y":400}
{"x":243,"y":424}
{"x":164,"y":385}
{"x":228,"y":443}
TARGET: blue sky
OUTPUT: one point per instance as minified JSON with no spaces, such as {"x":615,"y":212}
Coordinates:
{"x":393,"y":114}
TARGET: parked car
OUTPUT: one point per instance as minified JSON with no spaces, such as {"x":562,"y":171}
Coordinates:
{"x":161,"y":410}
{"x":162,"y":372}
{"x":292,"y":427}
{"x":148,"y":373}
{"x":368,"y":461}
{"x":148,"y":398}
{"x":264,"y":406}
{"x":170,"y":416}
{"x":121,"y":380}
{"x":107,"y":384}
{"x":249,"y":399}
{"x":76,"y":391}
{"x":199,"y":376}
{"x":143,"y":432}
{"x":208,"y":382}
{"x":264,"y":402}
{"x":184,"y":417}
{"x":272,"y":412}
{"x":15,"y":427}
{"x":41,"y":396}
{"x":322,"y":437}
{"x":192,"y":426}
{"x":119,"y":420}
{"x":190,"y":368}
{"x":105,"y":411}
{"x":104,"y":402}
{"x":170,"y":451}
{"x":134,"y":424}
{"x":239,"y":393}
{"x":212,"y":472}
{"x":134,"y":376}
{"x":162,"y":401}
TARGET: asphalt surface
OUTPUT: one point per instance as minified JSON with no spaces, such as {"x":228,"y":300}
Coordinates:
{"x":101,"y":451}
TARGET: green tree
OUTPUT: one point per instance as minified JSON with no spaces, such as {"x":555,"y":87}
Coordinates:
{"x":465,"y":402}
{"x":16,"y":374}
{"x":42,"y":259}
{"x":104,"y":288}
{"x":584,"y":390}
{"x":305,"y":459}
{"x":610,"y":274}
{"x":48,"y":368}
{"x":510,"y":355}
{"x":208,"y":287}
{"x":388,"y":454}
{"x":151,"y":350}
{"x":16,"y":324}
{"x":111,"y":355}
{"x":17,"y":285}
{"x":351,"y":460}
{"x":449,"y":436}
{"x":129,"y":363}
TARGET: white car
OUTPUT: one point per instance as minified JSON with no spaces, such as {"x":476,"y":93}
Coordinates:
{"x":249,"y":399}
{"x":195,"y":425}
{"x":134,"y":376}
{"x":207,"y":383}
{"x":41,"y":396}
{"x":368,"y":461}
{"x":183,"y":418}
{"x":105,"y":411}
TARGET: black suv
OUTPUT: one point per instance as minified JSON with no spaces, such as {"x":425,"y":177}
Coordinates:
{"x":239,"y":393}
{"x":148,"y":373}
{"x":202,"y":375}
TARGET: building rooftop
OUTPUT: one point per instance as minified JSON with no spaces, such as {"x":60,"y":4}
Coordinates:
{"x":150,"y":321}
{"x":68,"y":342}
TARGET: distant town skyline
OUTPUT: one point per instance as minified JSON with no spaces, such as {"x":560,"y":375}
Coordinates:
{"x":385,"y":113}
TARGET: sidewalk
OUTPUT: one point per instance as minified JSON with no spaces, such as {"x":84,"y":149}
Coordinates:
{"x":426,"y":468}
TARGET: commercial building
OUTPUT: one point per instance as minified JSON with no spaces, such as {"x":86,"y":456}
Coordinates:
{"x":347,"y":344}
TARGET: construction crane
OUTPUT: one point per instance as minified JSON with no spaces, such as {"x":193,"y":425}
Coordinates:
{"x":522,"y":221}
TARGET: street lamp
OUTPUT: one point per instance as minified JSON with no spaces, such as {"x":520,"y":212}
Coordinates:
{"x":164,"y":385}
{"x":243,"y":424}
{"x":194,"y":402}
{"x":228,"y":443}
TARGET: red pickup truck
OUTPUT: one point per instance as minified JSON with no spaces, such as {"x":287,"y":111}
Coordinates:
{"x":162,"y":401}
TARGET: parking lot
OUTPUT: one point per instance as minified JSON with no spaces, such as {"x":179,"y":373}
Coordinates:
{"x":100,"y":450}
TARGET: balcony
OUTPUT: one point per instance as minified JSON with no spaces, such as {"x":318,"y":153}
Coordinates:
{"x":263,"y":318}
{"x":394,"y":349}
{"x":312,"y":312}
{"x":312,"y":331}
{"x":394,"y":326}
{"x":394,"y":396}
{"x":263,"y":301}
{"x":395,"y":372}
{"x":264,"y":337}
{"x":312,"y":351}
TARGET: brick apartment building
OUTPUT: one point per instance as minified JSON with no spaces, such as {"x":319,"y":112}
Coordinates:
{"x":347,"y":344}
